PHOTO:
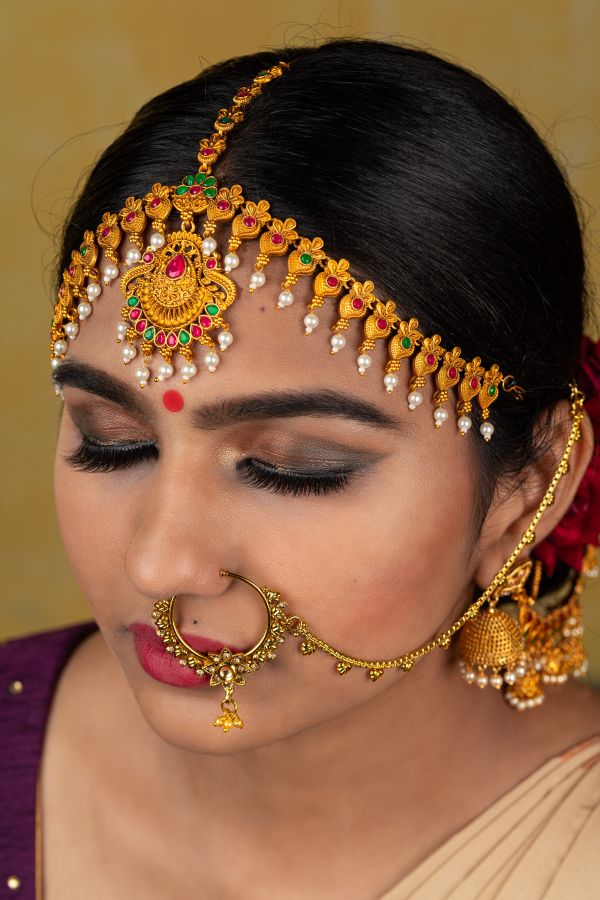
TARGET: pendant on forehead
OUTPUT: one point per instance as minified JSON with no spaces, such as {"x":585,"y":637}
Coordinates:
{"x":175,"y":296}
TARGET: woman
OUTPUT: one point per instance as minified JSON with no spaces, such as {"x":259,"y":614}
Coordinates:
{"x":180,"y":502}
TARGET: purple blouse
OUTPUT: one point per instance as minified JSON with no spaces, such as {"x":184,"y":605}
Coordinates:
{"x":30,"y":667}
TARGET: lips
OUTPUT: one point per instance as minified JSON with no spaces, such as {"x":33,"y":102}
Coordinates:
{"x":163,"y":666}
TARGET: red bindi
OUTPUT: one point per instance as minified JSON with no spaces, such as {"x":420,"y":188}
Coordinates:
{"x":173,"y":401}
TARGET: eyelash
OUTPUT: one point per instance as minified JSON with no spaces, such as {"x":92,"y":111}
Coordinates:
{"x":92,"y":456}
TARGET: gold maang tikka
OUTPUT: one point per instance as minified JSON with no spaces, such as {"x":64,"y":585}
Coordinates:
{"x":178,"y":286}
{"x":522,"y":654}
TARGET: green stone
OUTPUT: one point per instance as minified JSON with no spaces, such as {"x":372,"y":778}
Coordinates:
{"x":262,"y":74}
{"x":210,"y":181}
{"x":200,"y":177}
{"x":184,"y":337}
{"x":306,"y":259}
{"x":212,"y":310}
{"x":210,"y":193}
{"x":132,"y":301}
{"x":492,"y":390}
{"x":182,"y":189}
{"x":406,"y":343}
{"x":83,"y":249}
{"x":149,"y":333}
{"x":189,"y":180}
{"x":224,"y":120}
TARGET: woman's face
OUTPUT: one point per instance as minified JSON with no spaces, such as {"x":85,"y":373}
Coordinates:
{"x":359,"y":512}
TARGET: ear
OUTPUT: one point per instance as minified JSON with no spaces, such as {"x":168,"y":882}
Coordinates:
{"x":511,"y":513}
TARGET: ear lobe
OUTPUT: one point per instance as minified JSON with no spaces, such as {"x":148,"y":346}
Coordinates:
{"x":510,"y":516}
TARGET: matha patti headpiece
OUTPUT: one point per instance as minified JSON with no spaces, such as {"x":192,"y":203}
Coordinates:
{"x":178,"y":286}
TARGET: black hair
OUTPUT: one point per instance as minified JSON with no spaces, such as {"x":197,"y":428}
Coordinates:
{"x":421,"y":174}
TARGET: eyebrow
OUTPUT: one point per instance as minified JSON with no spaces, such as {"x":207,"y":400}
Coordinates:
{"x":223,"y":413}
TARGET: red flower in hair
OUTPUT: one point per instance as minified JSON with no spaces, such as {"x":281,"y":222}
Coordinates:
{"x":580,"y":525}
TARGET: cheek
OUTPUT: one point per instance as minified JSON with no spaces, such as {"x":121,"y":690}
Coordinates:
{"x":373,"y":577}
{"x":93,"y":519}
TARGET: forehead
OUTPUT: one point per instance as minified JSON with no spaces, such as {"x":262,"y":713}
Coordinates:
{"x":270,"y":350}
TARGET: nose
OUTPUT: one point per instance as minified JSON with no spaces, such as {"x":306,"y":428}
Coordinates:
{"x":179,"y":545}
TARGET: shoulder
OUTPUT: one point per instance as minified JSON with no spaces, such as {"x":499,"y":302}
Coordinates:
{"x":30,"y":666}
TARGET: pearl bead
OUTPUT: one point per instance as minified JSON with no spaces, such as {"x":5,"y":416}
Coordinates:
{"x":510,"y":677}
{"x":390,"y":381}
{"x":520,"y":671}
{"x":481,"y":680}
{"x":211,"y":361}
{"x":142,"y":374}
{"x":286,"y":298}
{"x":231,"y":261}
{"x":225,"y":339}
{"x":93,"y":290}
{"x":128,"y":352}
{"x":440,"y":415}
{"x":188,"y":371}
{"x":165,"y":370}
{"x":363,"y":362}
{"x":110,"y":272}
{"x":209,"y":245}
{"x":470,"y":677}
{"x":84,"y":309}
{"x":487,"y":430}
{"x":464,"y":423}
{"x":310,"y":323}
{"x":59,"y":391}
{"x":60,"y":347}
{"x":72,"y":330}
{"x":121,"y":330}
{"x":132,"y":256}
{"x":157,"y":240}
{"x":55,"y":362}
{"x":257,"y":279}
{"x":415,"y":398}
{"x":496,"y":681}
{"x":338,"y":342}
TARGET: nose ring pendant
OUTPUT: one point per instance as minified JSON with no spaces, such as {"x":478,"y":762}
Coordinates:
{"x":225,"y":668}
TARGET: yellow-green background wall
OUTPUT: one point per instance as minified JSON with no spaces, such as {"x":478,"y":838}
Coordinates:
{"x":74,"y":72}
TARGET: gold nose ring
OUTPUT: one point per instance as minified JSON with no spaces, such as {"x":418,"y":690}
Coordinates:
{"x":225,"y":668}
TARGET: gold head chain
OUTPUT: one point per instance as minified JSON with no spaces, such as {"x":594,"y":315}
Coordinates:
{"x":177,"y":285}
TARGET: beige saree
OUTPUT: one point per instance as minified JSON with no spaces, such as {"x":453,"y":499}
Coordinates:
{"x":540,"y":841}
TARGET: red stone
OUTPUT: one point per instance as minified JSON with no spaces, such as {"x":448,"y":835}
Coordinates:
{"x":205,"y":321}
{"x":195,"y":189}
{"x":148,"y":256}
{"x":474,"y":384}
{"x":173,"y":401}
{"x":135,"y":313}
{"x":277,"y":238}
{"x":331,"y":281}
{"x":223,"y":205}
{"x":196,"y":331}
{"x":171,"y":339}
{"x":357,"y":304}
{"x":211,"y":262}
{"x":141,"y":326}
{"x":249,"y":221}
{"x":105,"y":232}
{"x":430,"y":359}
{"x":155,"y":202}
{"x":130,"y":217}
{"x":160,"y":338}
{"x":452,"y":373}
{"x":206,"y":152}
{"x":71,"y":271}
{"x":381,"y":324}
{"x":243,"y":92}
{"x":176,"y":267}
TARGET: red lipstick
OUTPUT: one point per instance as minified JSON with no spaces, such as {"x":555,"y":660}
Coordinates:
{"x":165,"y":667}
